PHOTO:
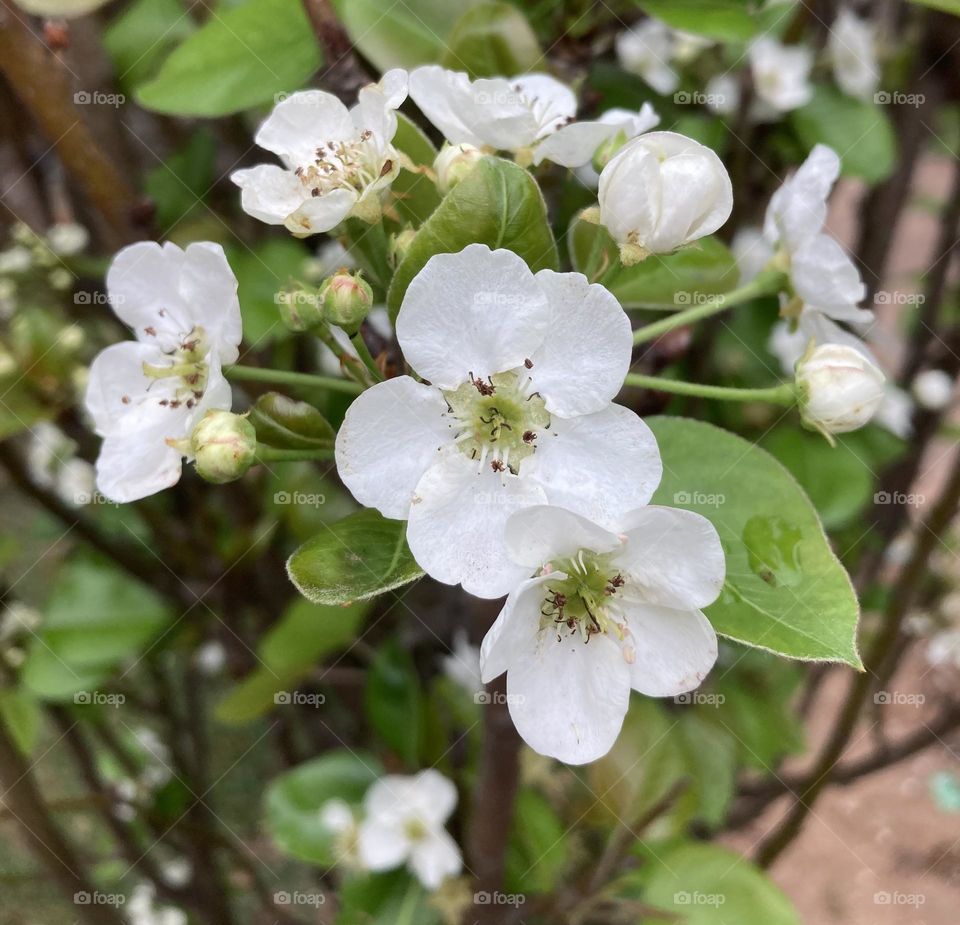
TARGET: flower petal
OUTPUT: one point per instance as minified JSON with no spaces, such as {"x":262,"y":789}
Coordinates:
{"x":674,"y":650}
{"x":597,"y":465}
{"x":269,"y":192}
{"x":478,"y":311}
{"x":568,"y":698}
{"x":302,"y":122}
{"x":585,"y":355}
{"x":515,"y":628}
{"x":575,"y":144}
{"x":673,"y":557}
{"x":457,"y":522}
{"x":545,"y":533}
{"x":137,"y":464}
{"x":209,"y":288}
{"x":381,"y":846}
{"x":390,"y":436}
{"x":436,"y":796}
{"x":445,"y":97}
{"x":317,"y":214}
{"x":117,"y":398}
{"x":551,"y":101}
{"x":434,"y":858}
{"x":824,"y":275}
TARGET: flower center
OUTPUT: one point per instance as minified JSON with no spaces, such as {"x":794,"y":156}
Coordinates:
{"x":498,"y":418}
{"x":189,"y":366}
{"x":344,"y":165}
{"x":414,"y":829}
{"x":584,"y":603}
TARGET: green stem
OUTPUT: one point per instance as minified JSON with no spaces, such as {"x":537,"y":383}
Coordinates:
{"x":285,"y":377}
{"x":765,"y":283}
{"x":274,"y":454}
{"x":408,"y":909}
{"x":784,"y":394}
{"x":364,"y":352}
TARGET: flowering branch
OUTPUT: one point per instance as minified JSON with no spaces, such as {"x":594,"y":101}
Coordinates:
{"x":784,"y":394}
{"x":287,"y":377}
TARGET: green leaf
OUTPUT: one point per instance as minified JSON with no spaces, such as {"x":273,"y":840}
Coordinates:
{"x":785,"y":590}
{"x":860,"y":132}
{"x":723,"y":20}
{"x":660,"y":281}
{"x":539,"y":848}
{"x":704,"y":884}
{"x":711,"y":758}
{"x":95,"y":618}
{"x":20,"y":712}
{"x":179,"y":184}
{"x":414,"y":194}
{"x":492,"y":40}
{"x":498,"y":204}
{"x":354,"y":559}
{"x":138,"y":39}
{"x":385,"y":899}
{"x":241,"y":57}
{"x":288,"y":424}
{"x":294,"y":801}
{"x":394,"y":701}
{"x":288,"y":653}
{"x":406,"y":34}
{"x":947,"y":6}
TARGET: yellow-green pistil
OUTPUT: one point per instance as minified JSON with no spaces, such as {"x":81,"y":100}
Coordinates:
{"x":499,"y":419}
{"x":189,"y":366}
{"x":583,"y":602}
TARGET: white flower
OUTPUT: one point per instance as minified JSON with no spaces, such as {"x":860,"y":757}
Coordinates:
{"x":752,"y":252}
{"x":522,"y":370}
{"x":661,"y":191}
{"x":462,"y":665}
{"x":851,"y":46}
{"x":141,"y":909}
{"x":337,"y":162}
{"x":781,"y":76}
{"x":838,"y":389}
{"x":629,"y":125}
{"x":895,"y":413}
{"x":532,"y":116}
{"x":52,"y":464}
{"x":687,"y":45}
{"x":722,"y":94}
{"x":933,"y":389}
{"x":145,"y":396}
{"x":646,"y":50}
{"x":608,"y":611}
{"x":944,"y":649}
{"x":67,"y":238}
{"x":339,"y":819}
{"x":453,"y":163}
{"x":404,"y":823}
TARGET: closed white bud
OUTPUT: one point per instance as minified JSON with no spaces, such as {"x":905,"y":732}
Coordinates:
{"x":225,"y":445}
{"x":838,"y":389}
{"x":453,"y":163}
{"x":933,"y":389}
{"x":661,"y":191}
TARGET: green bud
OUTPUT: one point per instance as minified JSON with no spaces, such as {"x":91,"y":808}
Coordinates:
{"x":346,"y":298}
{"x":453,"y":163}
{"x":225,"y":446}
{"x":606,"y":151}
{"x":300,"y":308}
{"x":400,"y":244}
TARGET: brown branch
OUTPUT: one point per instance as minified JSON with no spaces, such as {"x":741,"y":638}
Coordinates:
{"x":344,"y":73}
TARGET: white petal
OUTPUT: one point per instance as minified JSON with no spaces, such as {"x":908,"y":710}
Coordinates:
{"x":435,"y":796}
{"x":317,"y":214}
{"x":445,"y":98}
{"x":674,"y":649}
{"x":135,"y":465}
{"x":302,"y":122}
{"x":336,"y":816}
{"x":457,"y":522}
{"x":376,"y":104}
{"x":544,"y":533}
{"x":116,"y":374}
{"x":515,"y":628}
{"x":390,"y":436}
{"x":598,"y":465}
{"x":586,"y":353}
{"x":672,"y":557}
{"x":209,"y":288}
{"x":552,"y":102}
{"x":435,"y":858}
{"x":478,"y":311}
{"x":823,"y":274}
{"x":269,"y":193}
{"x":568,"y":698}
{"x":575,"y":144}
{"x":381,"y":847}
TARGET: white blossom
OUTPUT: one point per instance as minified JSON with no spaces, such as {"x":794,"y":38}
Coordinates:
{"x":647,"y":50}
{"x":629,"y":124}
{"x":609,"y":610}
{"x":661,"y":191}
{"x":462,"y":665}
{"x":145,"y":396}
{"x":851,"y":45}
{"x":403,"y":823}
{"x":532,"y":116}
{"x":781,"y":76}
{"x":52,"y":464}
{"x":522,"y":369}
{"x":67,"y":238}
{"x":933,"y":389}
{"x":838,"y":389}
{"x":339,"y":819}
{"x":722,"y":94}
{"x":337,"y":162}
{"x":895,"y":413}
{"x":142,"y":909}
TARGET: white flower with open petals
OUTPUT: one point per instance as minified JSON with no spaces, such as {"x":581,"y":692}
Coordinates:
{"x":851,"y":44}
{"x":522,"y":369}
{"x":781,"y":77}
{"x":647,"y":50}
{"x":661,"y":191}
{"x":337,"y":162}
{"x":403,"y":823}
{"x":146,"y":396}
{"x":608,"y":611}
{"x":532,"y":116}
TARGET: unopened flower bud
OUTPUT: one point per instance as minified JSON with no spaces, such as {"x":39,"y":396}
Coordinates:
{"x":838,"y":389}
{"x":399,"y":244}
{"x":300,"y":309}
{"x":225,"y":446}
{"x":453,"y":163}
{"x":933,"y":389}
{"x":346,"y":298}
